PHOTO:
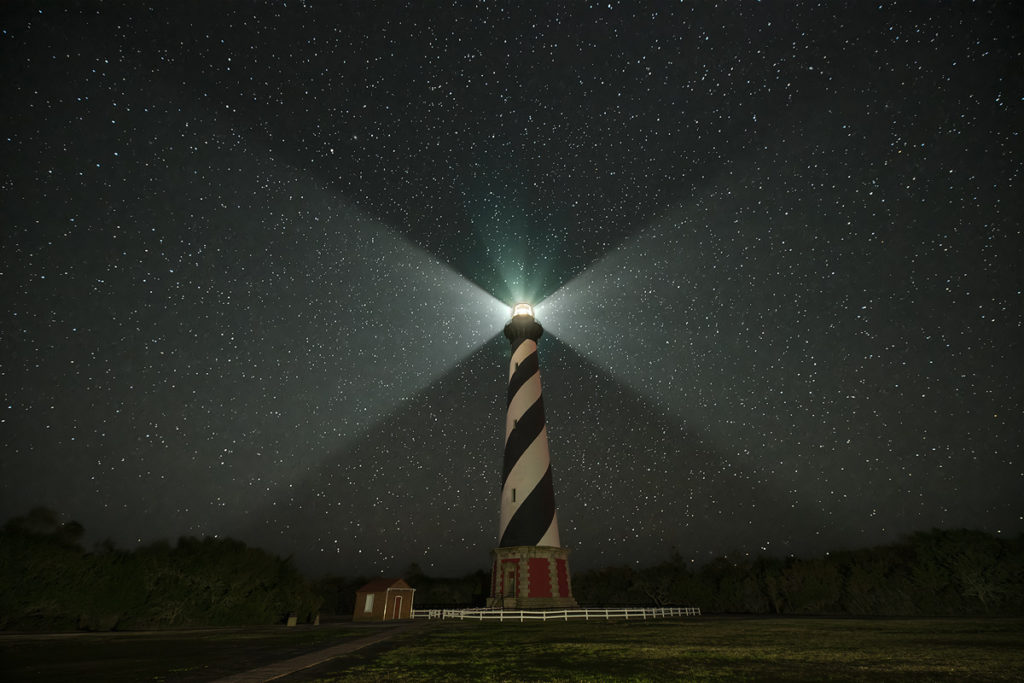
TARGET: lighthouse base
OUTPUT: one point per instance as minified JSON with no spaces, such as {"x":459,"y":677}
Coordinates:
{"x":530,"y":577}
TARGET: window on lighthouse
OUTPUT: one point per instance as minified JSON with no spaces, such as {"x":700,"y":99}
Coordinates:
{"x":513,"y":495}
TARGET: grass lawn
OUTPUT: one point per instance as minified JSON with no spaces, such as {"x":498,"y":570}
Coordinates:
{"x":694,"y":649}
{"x":169,"y":656}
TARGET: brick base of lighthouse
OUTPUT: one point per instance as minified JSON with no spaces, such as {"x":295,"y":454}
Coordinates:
{"x":530,"y":577}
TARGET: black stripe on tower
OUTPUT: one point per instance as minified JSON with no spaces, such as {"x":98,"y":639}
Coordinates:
{"x":517,"y":334}
{"x":533,"y":517}
{"x":527,"y":429}
{"x":526,"y":369}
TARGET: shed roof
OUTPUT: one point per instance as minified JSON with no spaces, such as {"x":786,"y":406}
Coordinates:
{"x":382,"y":584}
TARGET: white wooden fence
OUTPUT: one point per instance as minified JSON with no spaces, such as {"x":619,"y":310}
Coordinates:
{"x":587,"y":613}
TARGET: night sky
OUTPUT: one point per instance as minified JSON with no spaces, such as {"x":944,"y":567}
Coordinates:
{"x":256,"y":259}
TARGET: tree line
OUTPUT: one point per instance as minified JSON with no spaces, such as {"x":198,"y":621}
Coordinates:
{"x":49,"y":582}
{"x":934,"y":573}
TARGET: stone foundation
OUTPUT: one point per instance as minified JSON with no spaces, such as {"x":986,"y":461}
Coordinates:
{"x":530,"y":577}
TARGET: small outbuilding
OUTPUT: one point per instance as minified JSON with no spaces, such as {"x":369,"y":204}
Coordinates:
{"x":383,"y":600}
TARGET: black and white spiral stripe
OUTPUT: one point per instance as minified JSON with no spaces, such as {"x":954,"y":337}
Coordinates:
{"x":527,"y":495}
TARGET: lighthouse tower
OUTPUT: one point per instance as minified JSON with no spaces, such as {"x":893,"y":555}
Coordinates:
{"x":529,"y":568}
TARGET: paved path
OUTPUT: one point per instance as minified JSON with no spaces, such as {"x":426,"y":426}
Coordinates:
{"x":290,"y":666}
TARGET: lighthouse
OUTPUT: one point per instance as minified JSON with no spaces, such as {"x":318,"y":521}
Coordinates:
{"x":529,"y":568}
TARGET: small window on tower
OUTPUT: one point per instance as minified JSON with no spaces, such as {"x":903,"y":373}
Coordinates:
{"x":513,"y":495}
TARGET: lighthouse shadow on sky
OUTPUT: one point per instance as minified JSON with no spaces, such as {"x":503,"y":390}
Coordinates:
{"x":422,"y":484}
{"x":637,"y":468}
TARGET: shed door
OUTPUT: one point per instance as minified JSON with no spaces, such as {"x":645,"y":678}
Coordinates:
{"x":396,"y":612}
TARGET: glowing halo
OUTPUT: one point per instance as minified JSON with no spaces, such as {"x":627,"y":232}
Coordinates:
{"x":522,"y":309}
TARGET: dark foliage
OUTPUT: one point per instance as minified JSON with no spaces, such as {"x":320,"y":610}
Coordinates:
{"x":339,"y":594}
{"x":47,"y":581}
{"x":958,"y":572}
{"x":471,"y":589}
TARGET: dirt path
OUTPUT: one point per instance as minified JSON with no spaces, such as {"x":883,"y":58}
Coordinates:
{"x":289,"y":666}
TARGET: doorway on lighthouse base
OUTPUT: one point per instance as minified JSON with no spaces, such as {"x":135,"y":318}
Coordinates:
{"x":509,"y":584}
{"x":530,"y":577}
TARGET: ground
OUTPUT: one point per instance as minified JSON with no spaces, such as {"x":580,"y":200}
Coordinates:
{"x":697,"y":649}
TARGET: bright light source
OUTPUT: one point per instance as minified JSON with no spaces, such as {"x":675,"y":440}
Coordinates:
{"x":522,"y":309}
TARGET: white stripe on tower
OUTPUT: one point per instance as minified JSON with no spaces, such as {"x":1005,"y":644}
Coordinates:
{"x":527,"y":495}
{"x":526,"y":474}
{"x":520,"y":353}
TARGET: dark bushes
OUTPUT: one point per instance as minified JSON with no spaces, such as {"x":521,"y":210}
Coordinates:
{"x":958,"y":572}
{"x":47,"y":581}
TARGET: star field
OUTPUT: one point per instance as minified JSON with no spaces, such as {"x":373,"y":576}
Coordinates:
{"x":256,"y":259}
